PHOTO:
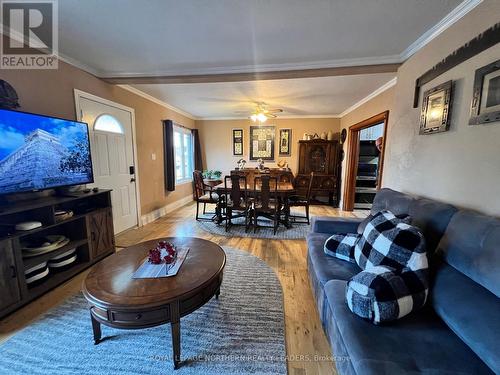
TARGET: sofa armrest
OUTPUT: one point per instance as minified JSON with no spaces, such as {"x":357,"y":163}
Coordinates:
{"x":335,"y":225}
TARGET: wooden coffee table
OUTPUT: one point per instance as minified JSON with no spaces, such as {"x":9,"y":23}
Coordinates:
{"x":118,"y":301}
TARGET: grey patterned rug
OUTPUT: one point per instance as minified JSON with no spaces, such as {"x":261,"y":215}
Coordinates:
{"x":297,"y":231}
{"x":241,"y":333}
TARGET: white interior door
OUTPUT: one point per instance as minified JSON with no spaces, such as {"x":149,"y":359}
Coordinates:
{"x":112,"y":152}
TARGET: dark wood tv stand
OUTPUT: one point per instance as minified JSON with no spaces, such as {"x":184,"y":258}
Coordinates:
{"x":90,"y":230}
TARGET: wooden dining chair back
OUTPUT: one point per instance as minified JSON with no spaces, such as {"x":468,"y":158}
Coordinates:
{"x":199,"y":188}
{"x":236,"y":198}
{"x":203,"y":194}
{"x":236,"y":192}
{"x":309,"y":188}
{"x":267,"y":203}
{"x":302,"y":201}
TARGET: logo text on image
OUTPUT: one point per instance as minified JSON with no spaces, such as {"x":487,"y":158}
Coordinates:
{"x":29,"y":35}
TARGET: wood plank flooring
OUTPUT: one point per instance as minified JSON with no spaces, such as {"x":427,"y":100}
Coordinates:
{"x":305,"y":339}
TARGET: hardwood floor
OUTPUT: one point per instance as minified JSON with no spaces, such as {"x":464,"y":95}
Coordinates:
{"x":305,"y":339}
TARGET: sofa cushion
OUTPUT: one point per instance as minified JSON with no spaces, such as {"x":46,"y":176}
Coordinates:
{"x":419,"y":343}
{"x":326,"y":267}
{"x":470,"y":310}
{"x":323,"y":268}
{"x":432,"y":218}
{"x":389,"y":241}
{"x":383,"y":294}
{"x":394,"y":201}
{"x":334,"y":225}
{"x":341,"y":246}
{"x":471,"y":246}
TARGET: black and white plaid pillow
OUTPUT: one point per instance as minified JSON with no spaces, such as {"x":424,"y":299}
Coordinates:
{"x":382,"y":294}
{"x":390,"y":241}
{"x":342,"y":246}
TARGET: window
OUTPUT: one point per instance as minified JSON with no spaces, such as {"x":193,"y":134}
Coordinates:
{"x":108,"y":123}
{"x":183,"y":148}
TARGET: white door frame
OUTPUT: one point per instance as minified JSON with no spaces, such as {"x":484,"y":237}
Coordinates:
{"x":79,"y":94}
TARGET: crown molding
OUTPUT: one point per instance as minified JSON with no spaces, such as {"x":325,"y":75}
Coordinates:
{"x":77,"y":64}
{"x":456,"y":14}
{"x":288,"y":117}
{"x":158,"y":101}
{"x":378,"y":91}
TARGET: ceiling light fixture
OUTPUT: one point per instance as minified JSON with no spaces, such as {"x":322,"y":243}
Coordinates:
{"x":262,"y":113}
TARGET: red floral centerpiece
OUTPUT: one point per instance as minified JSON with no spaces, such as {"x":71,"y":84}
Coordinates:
{"x":163,"y":252}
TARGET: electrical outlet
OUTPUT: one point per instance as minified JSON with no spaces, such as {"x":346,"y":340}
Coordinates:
{"x":153,"y":156}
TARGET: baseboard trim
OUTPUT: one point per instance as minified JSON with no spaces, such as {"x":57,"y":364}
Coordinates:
{"x":156,"y":214}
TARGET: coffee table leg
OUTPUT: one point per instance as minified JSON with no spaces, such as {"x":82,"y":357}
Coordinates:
{"x":96,"y":328}
{"x":176,"y":333}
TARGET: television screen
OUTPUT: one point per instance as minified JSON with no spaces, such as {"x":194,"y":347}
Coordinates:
{"x":39,"y":152}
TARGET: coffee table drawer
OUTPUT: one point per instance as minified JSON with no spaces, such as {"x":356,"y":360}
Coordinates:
{"x":139,"y":318}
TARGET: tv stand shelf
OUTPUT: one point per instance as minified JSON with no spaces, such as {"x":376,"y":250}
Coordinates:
{"x":90,"y":231}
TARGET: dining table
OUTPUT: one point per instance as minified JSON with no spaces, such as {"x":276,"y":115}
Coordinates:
{"x":284,"y":191}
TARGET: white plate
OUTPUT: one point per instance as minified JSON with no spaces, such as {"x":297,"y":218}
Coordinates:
{"x":63,"y":263}
{"x":37,"y":267}
{"x":37,"y":277}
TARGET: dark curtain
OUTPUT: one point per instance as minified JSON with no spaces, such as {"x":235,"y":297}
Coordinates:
{"x":198,"y":166}
{"x":168,"y":152}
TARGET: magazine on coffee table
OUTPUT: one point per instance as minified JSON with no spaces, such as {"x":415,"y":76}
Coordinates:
{"x":149,"y":271}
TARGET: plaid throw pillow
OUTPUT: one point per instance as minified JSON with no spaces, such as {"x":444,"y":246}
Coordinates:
{"x":390,"y":241}
{"x":382,"y":294}
{"x":342,"y":246}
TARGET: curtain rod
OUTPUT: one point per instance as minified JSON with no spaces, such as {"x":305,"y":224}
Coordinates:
{"x":180,"y":126}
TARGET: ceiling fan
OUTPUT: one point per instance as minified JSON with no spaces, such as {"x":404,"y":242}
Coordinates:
{"x":262,"y":112}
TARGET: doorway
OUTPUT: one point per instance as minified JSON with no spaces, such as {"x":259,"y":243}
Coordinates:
{"x":111,"y":129}
{"x":365,"y":161}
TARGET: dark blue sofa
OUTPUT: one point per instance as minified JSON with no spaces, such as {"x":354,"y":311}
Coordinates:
{"x":458,"y":332}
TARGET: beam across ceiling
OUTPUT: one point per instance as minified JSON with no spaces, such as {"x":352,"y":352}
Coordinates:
{"x":256,"y":76}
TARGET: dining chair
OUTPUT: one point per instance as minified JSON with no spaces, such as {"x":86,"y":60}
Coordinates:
{"x":302,"y":201}
{"x":203,"y":194}
{"x":236,"y":199}
{"x":266,"y":200}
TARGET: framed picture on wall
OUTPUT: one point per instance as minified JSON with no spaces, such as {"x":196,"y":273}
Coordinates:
{"x":262,"y":142}
{"x":237,"y":142}
{"x":485,"y":105}
{"x":436,"y":107}
{"x":285,"y":142}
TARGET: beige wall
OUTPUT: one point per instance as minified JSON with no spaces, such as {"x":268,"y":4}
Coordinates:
{"x":461,"y":166}
{"x":50,"y":92}
{"x":216,"y":140}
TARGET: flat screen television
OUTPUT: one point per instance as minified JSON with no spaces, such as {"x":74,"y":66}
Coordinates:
{"x":40,"y":152}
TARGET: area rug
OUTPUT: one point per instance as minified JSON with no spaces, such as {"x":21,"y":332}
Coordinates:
{"x":241,"y":333}
{"x":297,"y":231}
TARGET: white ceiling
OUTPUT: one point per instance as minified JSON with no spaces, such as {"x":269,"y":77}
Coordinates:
{"x":172,"y":37}
{"x":322,"y":96}
{"x":128,"y":38}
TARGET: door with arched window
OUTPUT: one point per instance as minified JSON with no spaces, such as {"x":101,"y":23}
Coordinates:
{"x":110,"y":128}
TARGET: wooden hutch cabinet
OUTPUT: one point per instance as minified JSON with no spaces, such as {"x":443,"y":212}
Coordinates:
{"x":323,"y":158}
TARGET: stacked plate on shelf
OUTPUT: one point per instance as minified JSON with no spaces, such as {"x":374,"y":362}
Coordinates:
{"x":36,"y":273}
{"x":63,"y":260}
{"x":61,"y":215}
{"x":42,"y":245}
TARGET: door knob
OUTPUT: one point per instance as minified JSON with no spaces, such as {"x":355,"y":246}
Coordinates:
{"x":132,"y":179}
